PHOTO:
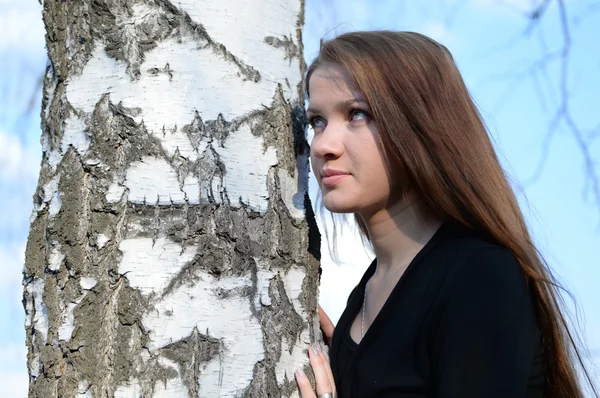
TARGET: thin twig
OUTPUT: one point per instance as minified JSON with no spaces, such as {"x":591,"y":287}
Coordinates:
{"x":590,"y":170}
{"x":552,"y":129}
{"x":586,"y":13}
{"x":535,"y":17}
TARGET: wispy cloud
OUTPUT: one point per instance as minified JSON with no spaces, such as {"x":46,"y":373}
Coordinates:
{"x":17,"y":161}
{"x":11,"y":266}
{"x":14,"y":379}
{"x":520,"y":6}
{"x":438,"y":30}
{"x":14,"y":354}
{"x":19,"y":167}
{"x":21,"y":26}
{"x":13,"y":371}
{"x":23,"y":54}
{"x":13,"y":384}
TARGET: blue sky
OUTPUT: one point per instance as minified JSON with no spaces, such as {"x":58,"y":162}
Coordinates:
{"x":559,"y":205}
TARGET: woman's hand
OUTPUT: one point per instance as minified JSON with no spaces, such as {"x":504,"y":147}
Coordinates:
{"x":319,"y":361}
{"x":327,"y":327}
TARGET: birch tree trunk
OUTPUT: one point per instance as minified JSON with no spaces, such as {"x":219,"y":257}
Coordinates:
{"x":169,"y":254}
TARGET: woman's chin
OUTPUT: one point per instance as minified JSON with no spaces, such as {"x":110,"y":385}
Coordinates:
{"x":339,"y":206}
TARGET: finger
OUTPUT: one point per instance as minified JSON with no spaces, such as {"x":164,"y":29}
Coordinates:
{"x":324,"y":384}
{"x":306,"y":390}
{"x":325,"y":359}
{"x":327,"y":326}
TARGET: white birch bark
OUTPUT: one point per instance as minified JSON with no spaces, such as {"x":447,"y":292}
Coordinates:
{"x":169,"y":254}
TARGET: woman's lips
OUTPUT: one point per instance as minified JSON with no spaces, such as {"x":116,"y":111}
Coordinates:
{"x":332,"y":180}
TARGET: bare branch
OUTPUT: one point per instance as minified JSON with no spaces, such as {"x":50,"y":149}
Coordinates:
{"x":590,"y":170}
{"x":539,"y":92}
{"x":505,"y":46}
{"x":595,"y":133}
{"x":586,"y":13}
{"x":552,"y":129}
{"x":544,"y":71}
{"x":535,"y":16}
{"x":516,"y":78}
{"x":538,"y":72}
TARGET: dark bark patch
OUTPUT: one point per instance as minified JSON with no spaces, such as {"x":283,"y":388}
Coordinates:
{"x":191,"y":353}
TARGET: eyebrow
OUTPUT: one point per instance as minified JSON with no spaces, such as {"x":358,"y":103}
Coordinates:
{"x":340,"y":106}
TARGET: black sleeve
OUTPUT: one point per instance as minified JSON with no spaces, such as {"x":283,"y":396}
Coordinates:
{"x":486,"y":330}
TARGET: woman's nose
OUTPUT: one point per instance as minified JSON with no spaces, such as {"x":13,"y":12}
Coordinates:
{"x":327,"y":143}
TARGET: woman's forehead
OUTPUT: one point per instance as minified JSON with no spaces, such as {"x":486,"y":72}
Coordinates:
{"x":332,"y":80}
{"x":331,"y":72}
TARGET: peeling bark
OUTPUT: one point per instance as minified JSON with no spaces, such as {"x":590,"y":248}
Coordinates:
{"x":169,"y":252}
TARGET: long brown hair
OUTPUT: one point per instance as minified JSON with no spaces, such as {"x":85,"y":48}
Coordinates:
{"x":430,"y":126}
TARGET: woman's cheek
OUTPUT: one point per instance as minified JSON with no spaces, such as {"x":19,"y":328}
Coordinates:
{"x":315,"y":166}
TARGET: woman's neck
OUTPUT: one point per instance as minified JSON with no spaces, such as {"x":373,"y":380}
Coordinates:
{"x":398,"y":233}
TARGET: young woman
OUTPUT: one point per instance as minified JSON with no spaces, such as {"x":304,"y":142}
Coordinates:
{"x":458,"y":302}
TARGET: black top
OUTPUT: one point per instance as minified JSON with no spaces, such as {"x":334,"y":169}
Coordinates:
{"x":460,"y":323}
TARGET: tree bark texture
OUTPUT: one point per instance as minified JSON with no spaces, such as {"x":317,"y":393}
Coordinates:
{"x":169,"y":253}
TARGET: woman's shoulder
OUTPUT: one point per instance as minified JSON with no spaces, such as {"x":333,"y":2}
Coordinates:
{"x":470,"y":245}
{"x":476,"y":259}
{"x":480,"y":278}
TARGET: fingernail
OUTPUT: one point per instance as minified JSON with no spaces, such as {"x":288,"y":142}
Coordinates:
{"x":316,"y":348}
{"x":300,"y":373}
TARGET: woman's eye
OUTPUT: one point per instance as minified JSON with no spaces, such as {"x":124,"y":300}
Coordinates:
{"x":316,"y":122}
{"x":359,"y":115}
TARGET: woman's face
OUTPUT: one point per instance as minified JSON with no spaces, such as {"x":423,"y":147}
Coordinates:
{"x":346,"y":154}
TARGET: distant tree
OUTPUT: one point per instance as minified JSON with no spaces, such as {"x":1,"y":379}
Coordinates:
{"x":552,"y":78}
